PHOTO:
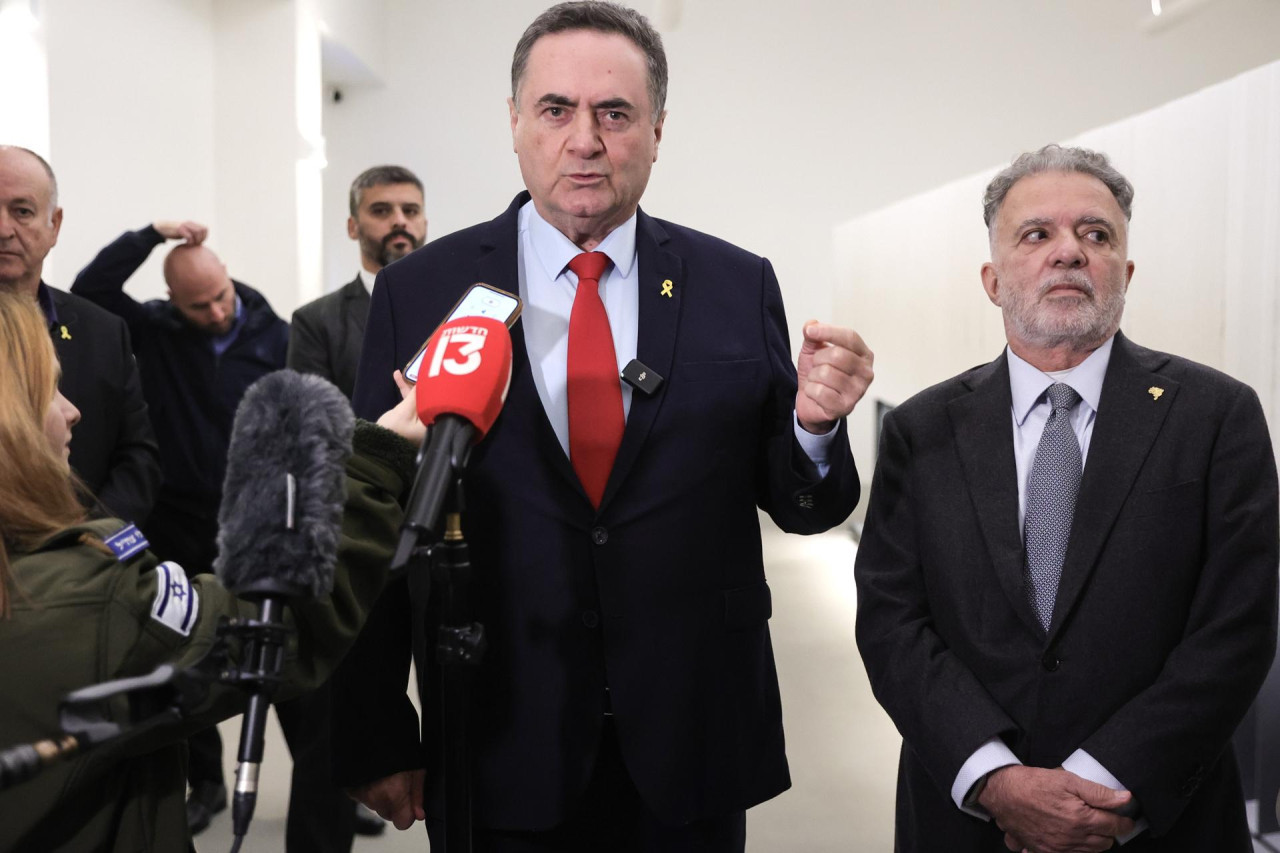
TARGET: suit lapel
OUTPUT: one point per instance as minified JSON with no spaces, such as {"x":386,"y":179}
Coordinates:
{"x":66,"y":311}
{"x":357,"y":313}
{"x":984,"y":438}
{"x":659,"y":316}
{"x":353,"y":317}
{"x":1127,"y":424}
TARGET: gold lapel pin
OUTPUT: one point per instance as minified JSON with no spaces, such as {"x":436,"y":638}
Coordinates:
{"x":66,"y":336}
{"x":1155,"y":392}
{"x":666,"y":289}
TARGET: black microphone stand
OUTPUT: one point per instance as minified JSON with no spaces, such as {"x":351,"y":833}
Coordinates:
{"x":443,"y":561}
{"x":460,"y":646}
{"x":264,"y":641}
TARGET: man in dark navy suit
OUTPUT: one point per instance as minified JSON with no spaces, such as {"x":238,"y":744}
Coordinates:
{"x":628,"y":699}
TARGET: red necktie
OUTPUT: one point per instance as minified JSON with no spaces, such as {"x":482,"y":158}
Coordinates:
{"x":596,"y":419}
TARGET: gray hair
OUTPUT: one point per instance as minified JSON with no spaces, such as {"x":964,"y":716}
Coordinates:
{"x":604,"y":17}
{"x":1055,"y":158}
{"x":48,"y":170}
{"x":379,"y":176}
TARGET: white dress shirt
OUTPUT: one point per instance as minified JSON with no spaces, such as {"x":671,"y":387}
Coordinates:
{"x":1030,"y":412}
{"x":547,"y":289}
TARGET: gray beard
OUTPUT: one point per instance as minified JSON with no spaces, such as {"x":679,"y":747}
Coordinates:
{"x":1091,"y":324}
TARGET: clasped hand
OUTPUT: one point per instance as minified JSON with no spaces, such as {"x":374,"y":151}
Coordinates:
{"x":397,"y":798}
{"x":1054,"y":811}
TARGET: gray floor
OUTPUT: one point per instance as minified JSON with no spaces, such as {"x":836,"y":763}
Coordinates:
{"x":842,"y":747}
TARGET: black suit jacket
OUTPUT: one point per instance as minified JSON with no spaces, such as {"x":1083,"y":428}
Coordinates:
{"x":113,"y":448}
{"x":1165,"y":620}
{"x":661,"y":593}
{"x":326,"y":335}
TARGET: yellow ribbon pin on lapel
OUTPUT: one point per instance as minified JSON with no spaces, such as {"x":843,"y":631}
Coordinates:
{"x":66,"y":336}
{"x":666,"y":289}
{"x":1155,"y":392}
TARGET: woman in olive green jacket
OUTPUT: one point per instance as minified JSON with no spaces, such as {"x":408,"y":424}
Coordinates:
{"x":74,"y":612}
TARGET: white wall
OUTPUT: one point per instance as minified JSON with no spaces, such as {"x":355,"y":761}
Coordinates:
{"x":131,"y":88}
{"x":1205,"y":238}
{"x":787,"y":118}
{"x":269,"y":146}
{"x":442,"y":113}
{"x":24,"y":118}
{"x":358,"y":29}
{"x":189,"y":109}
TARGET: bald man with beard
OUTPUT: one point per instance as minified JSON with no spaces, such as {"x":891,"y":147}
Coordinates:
{"x":197,"y":352}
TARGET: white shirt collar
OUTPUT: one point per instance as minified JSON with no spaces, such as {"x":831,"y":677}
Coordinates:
{"x":553,"y":250}
{"x":1028,"y":383}
{"x":367,"y":278}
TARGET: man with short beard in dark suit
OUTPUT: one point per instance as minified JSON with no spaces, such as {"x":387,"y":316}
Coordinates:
{"x":388,"y":221}
{"x":1067,"y":576}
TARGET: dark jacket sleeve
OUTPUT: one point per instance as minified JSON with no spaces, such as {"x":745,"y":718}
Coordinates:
{"x":133,"y":477}
{"x":103,"y":280}
{"x":788,"y":485}
{"x":376,"y":391}
{"x":375,"y":728}
{"x":308,"y":343}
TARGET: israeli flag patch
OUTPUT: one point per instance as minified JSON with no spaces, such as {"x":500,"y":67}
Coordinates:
{"x":177,"y":604}
{"x":127,"y":542}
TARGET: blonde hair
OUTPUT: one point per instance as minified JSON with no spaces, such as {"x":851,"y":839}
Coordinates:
{"x":37,"y":491}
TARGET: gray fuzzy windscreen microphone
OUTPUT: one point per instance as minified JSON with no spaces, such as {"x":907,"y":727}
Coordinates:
{"x":282,"y":500}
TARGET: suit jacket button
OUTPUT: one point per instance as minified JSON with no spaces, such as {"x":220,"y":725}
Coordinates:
{"x":599,"y":535}
{"x":590,"y":618}
{"x":1050,"y":663}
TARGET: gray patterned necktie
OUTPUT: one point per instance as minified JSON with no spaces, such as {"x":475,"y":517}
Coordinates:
{"x":1051,"y":501}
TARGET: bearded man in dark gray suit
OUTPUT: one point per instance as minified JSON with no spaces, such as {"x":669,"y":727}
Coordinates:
{"x":1067,"y":581}
{"x":325,"y":337}
{"x":388,"y":221}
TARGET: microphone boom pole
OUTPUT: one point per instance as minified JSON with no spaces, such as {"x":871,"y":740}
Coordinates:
{"x":468,"y":372}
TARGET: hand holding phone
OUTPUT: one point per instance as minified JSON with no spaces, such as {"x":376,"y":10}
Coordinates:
{"x":480,"y":300}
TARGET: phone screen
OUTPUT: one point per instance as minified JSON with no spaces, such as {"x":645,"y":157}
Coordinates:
{"x":480,"y":300}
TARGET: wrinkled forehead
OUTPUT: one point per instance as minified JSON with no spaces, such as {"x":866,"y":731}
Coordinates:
{"x":1060,"y":196}
{"x":586,"y":65}
{"x":22,"y":176}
